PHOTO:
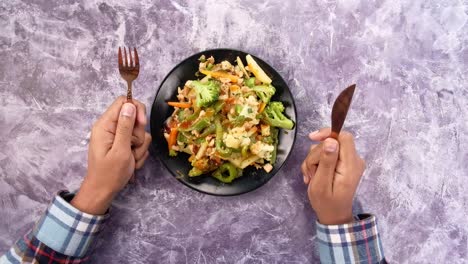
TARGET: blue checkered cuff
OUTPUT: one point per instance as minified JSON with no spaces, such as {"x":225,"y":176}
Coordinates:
{"x":66,"y":229}
{"x":357,"y":242}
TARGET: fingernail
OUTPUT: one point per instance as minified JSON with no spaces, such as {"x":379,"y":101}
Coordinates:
{"x":313,"y":134}
{"x":330,"y":145}
{"x":128,"y":109}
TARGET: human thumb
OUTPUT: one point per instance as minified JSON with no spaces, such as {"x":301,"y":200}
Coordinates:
{"x":125,"y":124}
{"x":328,"y":160}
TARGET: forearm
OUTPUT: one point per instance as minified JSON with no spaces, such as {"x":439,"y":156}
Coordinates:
{"x":357,"y":242}
{"x":62,"y":234}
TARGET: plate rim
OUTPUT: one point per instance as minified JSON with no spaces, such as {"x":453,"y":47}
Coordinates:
{"x":176,"y":176}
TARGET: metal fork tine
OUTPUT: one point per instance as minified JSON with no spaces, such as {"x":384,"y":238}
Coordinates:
{"x":129,"y":71}
{"x":137,"y":61}
{"x":125,"y":55}
{"x":120,"y":58}
{"x":130,"y":55}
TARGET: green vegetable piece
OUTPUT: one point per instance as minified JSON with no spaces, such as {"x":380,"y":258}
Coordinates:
{"x":250,"y":82}
{"x":194,"y":172}
{"x":202,"y":58}
{"x":209,"y":66}
{"x":244,"y":151}
{"x":208,"y":131}
{"x":218,"y":106}
{"x":172,"y":153}
{"x":226,"y":173}
{"x":238,"y":108}
{"x":264,"y":92}
{"x":199,"y":140}
{"x":198,"y":126}
{"x":219,"y":139}
{"x":274,"y":135}
{"x":238,"y":121}
{"x":182,"y":138}
{"x":193,"y":116}
{"x":274,"y":116}
{"x":180,"y":114}
{"x":207,"y":93}
{"x":234,"y":150}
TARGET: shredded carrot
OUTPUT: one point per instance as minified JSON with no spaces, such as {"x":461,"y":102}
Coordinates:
{"x":179,"y":104}
{"x":172,"y":138}
{"x":220,"y":74}
{"x":262,"y":107}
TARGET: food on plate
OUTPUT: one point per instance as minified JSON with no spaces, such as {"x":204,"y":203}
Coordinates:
{"x":227,"y":121}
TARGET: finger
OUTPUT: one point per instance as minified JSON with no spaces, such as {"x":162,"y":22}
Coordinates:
{"x":313,"y":157}
{"x":139,"y":131}
{"x":305,"y":173}
{"x":312,"y":169}
{"x":109,"y":119}
{"x":323,"y":178}
{"x":310,"y":163}
{"x":103,"y":130}
{"x":141,"y":112}
{"x":307,"y":162}
{"x":140,"y":151}
{"x":132,"y":179}
{"x":141,"y":161}
{"x":347,"y":147}
{"x":125,"y":124}
{"x":111,"y":115}
{"x":320,"y":135}
{"x":308,"y":172}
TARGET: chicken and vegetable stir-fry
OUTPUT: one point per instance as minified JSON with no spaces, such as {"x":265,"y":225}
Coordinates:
{"x":226,"y":121}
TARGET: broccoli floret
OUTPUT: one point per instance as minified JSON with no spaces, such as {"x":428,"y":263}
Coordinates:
{"x":194,"y":172}
{"x":274,"y":116}
{"x":207,"y":93}
{"x":264,"y":92}
{"x":250,"y":82}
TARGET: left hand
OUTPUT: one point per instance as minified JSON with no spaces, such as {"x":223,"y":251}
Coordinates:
{"x":118,"y":146}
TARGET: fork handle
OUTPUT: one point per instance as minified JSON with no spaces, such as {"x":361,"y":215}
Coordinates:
{"x":129,"y":91}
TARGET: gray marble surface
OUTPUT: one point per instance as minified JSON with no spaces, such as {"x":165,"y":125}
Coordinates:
{"x":409,"y":59}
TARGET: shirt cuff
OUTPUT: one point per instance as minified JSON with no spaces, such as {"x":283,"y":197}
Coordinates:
{"x":66,"y":229}
{"x":357,"y":242}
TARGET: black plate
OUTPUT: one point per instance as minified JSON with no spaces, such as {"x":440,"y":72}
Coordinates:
{"x":179,"y":166}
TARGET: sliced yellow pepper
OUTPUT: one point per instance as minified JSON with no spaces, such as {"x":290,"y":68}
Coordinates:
{"x":220,"y":74}
{"x":256,"y":70}
{"x":234,"y":88}
{"x":261,"y":107}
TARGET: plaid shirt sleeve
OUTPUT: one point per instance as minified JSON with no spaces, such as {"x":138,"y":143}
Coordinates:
{"x":62,"y":235}
{"x":356,"y":242}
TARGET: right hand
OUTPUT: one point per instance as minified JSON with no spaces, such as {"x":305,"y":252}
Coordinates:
{"x":118,"y":146}
{"x":332,"y":170}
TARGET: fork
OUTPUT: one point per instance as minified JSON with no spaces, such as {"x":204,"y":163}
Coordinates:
{"x":129,"y":72}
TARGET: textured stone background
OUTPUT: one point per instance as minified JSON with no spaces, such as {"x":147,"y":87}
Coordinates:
{"x":409,"y":59}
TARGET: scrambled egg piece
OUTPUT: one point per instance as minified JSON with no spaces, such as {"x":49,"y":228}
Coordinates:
{"x":262,"y":150}
{"x":250,"y":109}
{"x":226,"y":65}
{"x":236,"y":138}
